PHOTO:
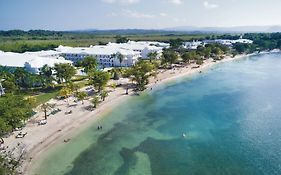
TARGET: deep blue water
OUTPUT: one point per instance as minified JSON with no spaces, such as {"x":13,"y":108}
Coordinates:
{"x":231,"y":116}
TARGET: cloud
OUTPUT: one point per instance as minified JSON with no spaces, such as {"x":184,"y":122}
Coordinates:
{"x":131,"y":14}
{"x":177,"y":2}
{"x":209,"y":5}
{"x":124,"y":2}
{"x":163,"y":14}
{"x":179,"y":20}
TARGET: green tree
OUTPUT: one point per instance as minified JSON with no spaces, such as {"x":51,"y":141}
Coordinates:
{"x":45,"y":107}
{"x":152,"y":56}
{"x":81,"y":96}
{"x":46,"y":73}
{"x":64,"y":72}
{"x":207,"y":52}
{"x":120,"y":57}
{"x":117,"y":72}
{"x":10,"y":86}
{"x":73,"y":87}
{"x":20,"y":75}
{"x":65,"y":92}
{"x":186,"y":57}
{"x":95,"y":101}
{"x":32,"y":102}
{"x":104,"y":94}
{"x":99,"y":79}
{"x":141,"y":72}
{"x":169,"y":56}
{"x":113,"y":85}
{"x":121,"y":39}
{"x":14,"y":110}
{"x":89,"y":63}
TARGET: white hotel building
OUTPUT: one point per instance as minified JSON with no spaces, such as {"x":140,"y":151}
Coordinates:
{"x":106,"y":55}
{"x":31,"y":61}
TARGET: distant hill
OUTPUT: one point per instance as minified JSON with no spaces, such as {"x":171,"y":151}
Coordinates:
{"x":181,"y":30}
{"x":135,"y":31}
{"x":236,"y":29}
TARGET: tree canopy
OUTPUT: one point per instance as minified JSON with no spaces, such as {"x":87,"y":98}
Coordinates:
{"x":99,"y":79}
{"x":89,"y":63}
{"x":14,"y":110}
{"x":169,"y":56}
{"x":141,"y":72}
{"x":64,"y":72}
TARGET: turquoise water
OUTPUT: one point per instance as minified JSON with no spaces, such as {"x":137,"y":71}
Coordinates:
{"x":231,"y":116}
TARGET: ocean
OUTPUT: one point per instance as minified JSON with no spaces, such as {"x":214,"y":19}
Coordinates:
{"x":224,"y":121}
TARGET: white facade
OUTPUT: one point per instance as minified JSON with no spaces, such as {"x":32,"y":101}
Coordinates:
{"x":244,"y":41}
{"x":227,"y":42}
{"x":192,"y":45}
{"x":106,"y":55}
{"x":142,"y":47}
{"x":31,"y":62}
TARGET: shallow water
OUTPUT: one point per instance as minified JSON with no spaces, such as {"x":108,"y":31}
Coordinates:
{"x":231,"y":116}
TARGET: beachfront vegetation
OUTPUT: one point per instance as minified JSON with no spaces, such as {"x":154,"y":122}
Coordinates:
{"x":14,"y":111}
{"x":169,"y":56}
{"x":45,"y":107}
{"x":104,"y":94}
{"x":89,"y":63}
{"x":116,"y":73}
{"x":81,"y":96}
{"x":140,"y":73}
{"x":99,"y":79}
{"x":65,"y":92}
{"x":64,"y":72}
{"x":152,"y":56}
{"x":95,"y":101}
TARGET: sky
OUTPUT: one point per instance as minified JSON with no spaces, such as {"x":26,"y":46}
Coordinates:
{"x":136,"y":14}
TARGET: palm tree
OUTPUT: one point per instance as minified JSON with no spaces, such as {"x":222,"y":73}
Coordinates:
{"x":20,"y":75}
{"x":152,"y":56}
{"x":104,"y":94}
{"x":81,"y":96}
{"x":95,"y":101}
{"x":120,"y":57}
{"x":45,"y":107}
{"x":47,"y":74}
{"x":116,"y":72}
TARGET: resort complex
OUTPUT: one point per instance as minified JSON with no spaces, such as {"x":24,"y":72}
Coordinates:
{"x":108,"y":55}
{"x":30,"y":61}
{"x":47,"y":94}
{"x":135,"y":87}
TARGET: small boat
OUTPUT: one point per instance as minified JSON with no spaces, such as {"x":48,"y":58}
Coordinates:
{"x":183,"y":135}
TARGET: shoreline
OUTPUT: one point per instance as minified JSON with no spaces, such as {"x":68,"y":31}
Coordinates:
{"x":41,"y":138}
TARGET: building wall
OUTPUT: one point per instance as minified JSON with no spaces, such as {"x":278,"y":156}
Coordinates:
{"x":104,"y":60}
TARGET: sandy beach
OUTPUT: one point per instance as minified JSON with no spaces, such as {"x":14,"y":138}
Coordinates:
{"x":60,"y":126}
